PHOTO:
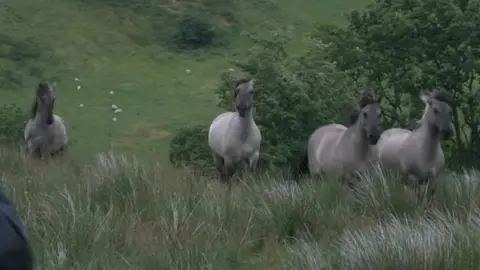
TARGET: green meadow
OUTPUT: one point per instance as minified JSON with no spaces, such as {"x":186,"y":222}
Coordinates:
{"x":92,"y":41}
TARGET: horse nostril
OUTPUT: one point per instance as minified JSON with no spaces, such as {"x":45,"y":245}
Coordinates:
{"x":373,"y":138}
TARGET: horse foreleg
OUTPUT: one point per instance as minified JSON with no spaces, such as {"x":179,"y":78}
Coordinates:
{"x":219,"y":163}
{"x":352,"y":179}
{"x":431,"y":185}
{"x":231,"y":167}
{"x":37,"y":153}
{"x":251,"y":163}
{"x":415,"y":184}
{"x":59,"y":152}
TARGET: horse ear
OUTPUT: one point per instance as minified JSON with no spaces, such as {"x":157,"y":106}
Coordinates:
{"x":353,"y":116}
{"x":250,"y":84}
{"x":425,"y":97}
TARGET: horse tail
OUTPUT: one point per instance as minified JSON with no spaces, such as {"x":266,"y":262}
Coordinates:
{"x":302,"y":170}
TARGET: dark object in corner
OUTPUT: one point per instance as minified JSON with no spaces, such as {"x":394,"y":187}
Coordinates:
{"x":15,"y":251}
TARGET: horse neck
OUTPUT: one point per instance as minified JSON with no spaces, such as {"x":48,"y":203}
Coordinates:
{"x":355,"y":139}
{"x":41,"y":117}
{"x":430,"y":139}
{"x":244,"y":126}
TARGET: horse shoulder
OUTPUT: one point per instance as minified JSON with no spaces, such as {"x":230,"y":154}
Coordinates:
{"x":217,"y":130}
{"x":58,"y":133}
{"x":322,"y":144}
{"x":388,"y":148}
{"x":256,"y":138}
{"x":220,"y":122}
{"x":395,"y":132}
{"x":58,"y":121}
{"x":335,"y":127}
{"x":58,"y":118}
{"x":325,"y":133}
{"x":28,"y":130}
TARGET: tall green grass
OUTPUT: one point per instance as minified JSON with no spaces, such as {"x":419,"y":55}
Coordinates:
{"x":115,"y":213}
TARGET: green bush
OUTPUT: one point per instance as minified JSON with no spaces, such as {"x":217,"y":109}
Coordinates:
{"x":189,"y":147}
{"x":193,"y":32}
{"x":12,"y":124}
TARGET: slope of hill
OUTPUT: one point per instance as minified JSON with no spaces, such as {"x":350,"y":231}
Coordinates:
{"x":117,"y":46}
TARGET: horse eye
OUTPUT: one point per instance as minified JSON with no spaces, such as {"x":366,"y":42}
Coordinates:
{"x":435,"y":110}
{"x":365,"y":114}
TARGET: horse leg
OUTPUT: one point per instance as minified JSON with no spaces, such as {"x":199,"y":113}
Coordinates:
{"x":351,"y":179}
{"x":58,"y":153}
{"x":220,"y":165}
{"x":230,"y":168}
{"x":251,"y":163}
{"x":318,"y":176}
{"x":431,"y":185}
{"x":414,"y":183}
{"x":37,"y":152}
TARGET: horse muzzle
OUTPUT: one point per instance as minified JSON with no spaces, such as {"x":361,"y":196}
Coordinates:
{"x":242,"y":111}
{"x":447,"y":134}
{"x":49,"y":120}
{"x":373,"y":138}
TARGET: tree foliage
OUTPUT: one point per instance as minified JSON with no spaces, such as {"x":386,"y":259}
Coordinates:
{"x":405,"y":46}
{"x":12,"y":123}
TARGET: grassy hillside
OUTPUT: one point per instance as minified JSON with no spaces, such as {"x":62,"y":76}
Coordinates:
{"x":115,"y":46}
{"x":113,"y":212}
{"x":116,"y":214}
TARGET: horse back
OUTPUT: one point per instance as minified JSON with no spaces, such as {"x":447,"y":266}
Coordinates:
{"x":329,"y":133}
{"x":322,"y":147}
{"x":388,"y":148}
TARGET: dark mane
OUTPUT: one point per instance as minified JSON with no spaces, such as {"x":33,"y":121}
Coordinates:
{"x":443,"y":96}
{"x":242,"y":81}
{"x":42,"y":88}
{"x":33,"y":110}
{"x":366,"y":99}
{"x":352,"y":119}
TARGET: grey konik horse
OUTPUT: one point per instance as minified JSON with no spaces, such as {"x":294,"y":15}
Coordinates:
{"x":45,"y":133}
{"x":233,"y":137}
{"x":418,"y":154}
{"x":337,"y":149}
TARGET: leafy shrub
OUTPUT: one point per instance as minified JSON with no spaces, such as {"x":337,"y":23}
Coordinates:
{"x":193,"y":32}
{"x":189,"y":147}
{"x":12,"y":124}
